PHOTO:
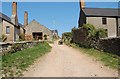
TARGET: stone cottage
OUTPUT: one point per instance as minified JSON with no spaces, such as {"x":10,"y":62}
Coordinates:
{"x":10,"y":28}
{"x":107,"y":18}
{"x":36,"y":31}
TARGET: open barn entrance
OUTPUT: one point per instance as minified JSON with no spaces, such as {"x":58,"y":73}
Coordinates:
{"x":37,"y":35}
{"x":119,"y":31}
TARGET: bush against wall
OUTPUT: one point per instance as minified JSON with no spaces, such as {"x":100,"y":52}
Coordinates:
{"x":101,"y":33}
{"x":67,"y":37}
{"x":93,"y":32}
{"x":88,"y":35}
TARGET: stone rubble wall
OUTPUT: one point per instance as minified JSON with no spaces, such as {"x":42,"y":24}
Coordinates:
{"x":6,"y":48}
{"x":110,"y":45}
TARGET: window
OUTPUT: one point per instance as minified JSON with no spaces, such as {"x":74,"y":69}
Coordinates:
{"x":104,"y":21}
{"x":7,"y":29}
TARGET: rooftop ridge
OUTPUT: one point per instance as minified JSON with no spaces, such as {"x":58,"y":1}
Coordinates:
{"x":98,"y":8}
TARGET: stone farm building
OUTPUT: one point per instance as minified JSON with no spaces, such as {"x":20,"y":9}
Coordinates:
{"x":107,"y":18}
{"x":36,"y":31}
{"x":10,"y":28}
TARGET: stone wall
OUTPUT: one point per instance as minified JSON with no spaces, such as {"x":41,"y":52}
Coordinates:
{"x":79,"y":35}
{"x":6,"y":48}
{"x":111,"y":45}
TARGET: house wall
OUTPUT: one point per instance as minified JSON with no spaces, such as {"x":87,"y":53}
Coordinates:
{"x":118,"y":26}
{"x":0,"y":29}
{"x":10,"y":37}
{"x":22,"y":31}
{"x":16,"y":33}
{"x":111,"y":25}
{"x":82,"y":19}
{"x":36,"y":27}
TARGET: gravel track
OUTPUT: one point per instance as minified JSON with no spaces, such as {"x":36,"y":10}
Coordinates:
{"x":64,"y":61}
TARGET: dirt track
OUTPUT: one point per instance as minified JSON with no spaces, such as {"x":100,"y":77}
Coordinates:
{"x":64,"y":61}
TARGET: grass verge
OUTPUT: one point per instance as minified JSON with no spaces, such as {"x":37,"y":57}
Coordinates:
{"x":14,"y":64}
{"x":106,"y":58}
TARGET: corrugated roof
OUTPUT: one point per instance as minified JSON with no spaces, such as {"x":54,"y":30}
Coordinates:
{"x":101,"y":12}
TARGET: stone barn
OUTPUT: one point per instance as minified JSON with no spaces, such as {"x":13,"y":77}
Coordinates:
{"x":36,"y":31}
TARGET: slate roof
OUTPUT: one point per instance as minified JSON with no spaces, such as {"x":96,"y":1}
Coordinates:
{"x":5,"y":17}
{"x":110,"y":12}
{"x":34,"y":21}
{"x":54,"y":31}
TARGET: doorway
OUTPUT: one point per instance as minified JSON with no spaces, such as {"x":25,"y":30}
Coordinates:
{"x":37,"y":35}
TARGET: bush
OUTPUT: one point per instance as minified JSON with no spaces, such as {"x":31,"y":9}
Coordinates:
{"x":95,"y":33}
{"x":92,"y":35}
{"x":67,"y":34}
{"x":91,"y":31}
{"x":101,"y":33}
{"x":67,"y":37}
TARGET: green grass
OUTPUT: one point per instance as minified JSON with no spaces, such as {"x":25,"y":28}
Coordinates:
{"x":51,"y":42}
{"x":106,"y":58}
{"x":14,"y":64}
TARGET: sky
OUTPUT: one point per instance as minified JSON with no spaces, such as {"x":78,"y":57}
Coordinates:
{"x":59,"y":0}
{"x":62,"y":16}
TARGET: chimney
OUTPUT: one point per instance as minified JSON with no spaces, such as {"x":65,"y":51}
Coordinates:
{"x":82,"y":4}
{"x":14,"y":18}
{"x":14,"y":8}
{"x":25,"y":18}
